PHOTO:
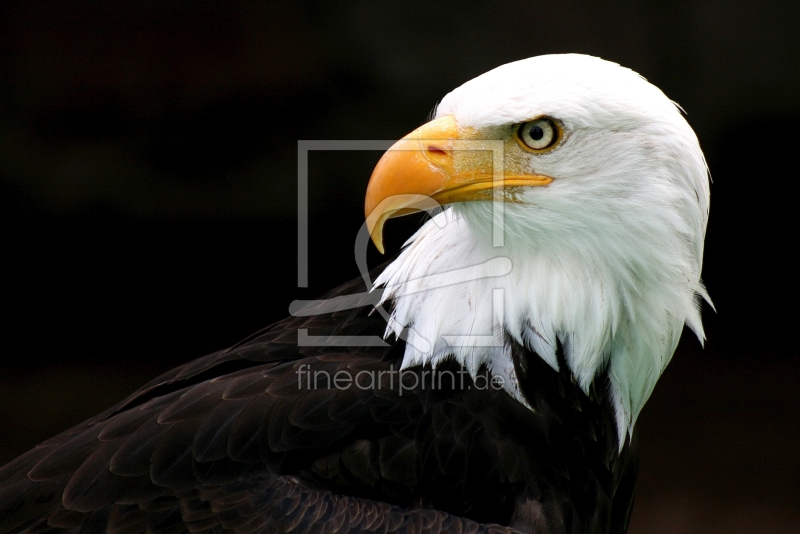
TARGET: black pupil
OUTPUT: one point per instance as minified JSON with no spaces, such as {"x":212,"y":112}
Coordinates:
{"x":536,"y":133}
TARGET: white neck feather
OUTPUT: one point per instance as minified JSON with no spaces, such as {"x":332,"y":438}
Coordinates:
{"x":616,"y":304}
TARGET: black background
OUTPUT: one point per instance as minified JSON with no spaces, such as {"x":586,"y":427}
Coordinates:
{"x":148,"y":167}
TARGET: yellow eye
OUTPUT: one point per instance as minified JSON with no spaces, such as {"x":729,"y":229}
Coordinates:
{"x":538,"y":134}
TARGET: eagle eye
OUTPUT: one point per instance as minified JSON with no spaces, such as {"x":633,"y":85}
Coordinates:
{"x":539,"y":134}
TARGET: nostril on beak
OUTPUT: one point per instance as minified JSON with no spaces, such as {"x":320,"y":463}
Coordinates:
{"x":434,"y":150}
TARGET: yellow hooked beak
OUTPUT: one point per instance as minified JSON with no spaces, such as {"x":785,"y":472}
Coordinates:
{"x":420,"y":172}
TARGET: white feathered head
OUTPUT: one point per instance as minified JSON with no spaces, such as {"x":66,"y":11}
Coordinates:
{"x":596,"y":243}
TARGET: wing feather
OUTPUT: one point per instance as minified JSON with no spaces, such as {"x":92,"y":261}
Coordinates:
{"x":236,"y":441}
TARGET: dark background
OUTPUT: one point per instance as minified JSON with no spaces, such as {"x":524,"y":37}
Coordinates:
{"x":148,"y":167}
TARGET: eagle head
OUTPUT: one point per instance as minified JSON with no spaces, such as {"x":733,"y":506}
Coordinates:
{"x":574,"y":195}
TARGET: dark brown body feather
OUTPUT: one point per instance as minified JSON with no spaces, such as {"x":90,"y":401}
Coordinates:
{"x":236,"y":441}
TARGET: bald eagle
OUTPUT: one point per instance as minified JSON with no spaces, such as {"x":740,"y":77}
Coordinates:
{"x":528,"y":322}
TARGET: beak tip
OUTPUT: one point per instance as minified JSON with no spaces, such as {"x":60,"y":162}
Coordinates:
{"x":377,"y":240}
{"x":375,"y":227}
